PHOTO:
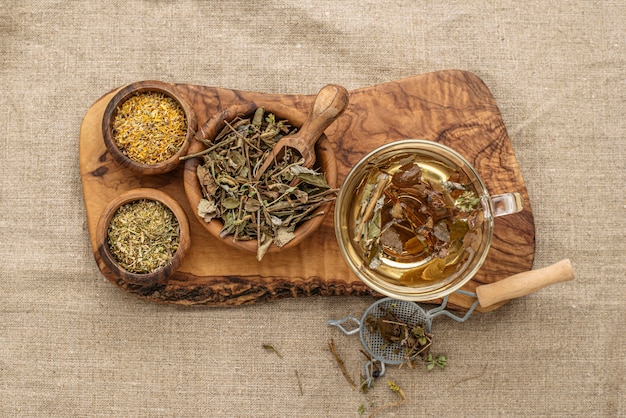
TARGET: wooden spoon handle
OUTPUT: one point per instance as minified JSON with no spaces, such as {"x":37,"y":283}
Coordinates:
{"x":524,"y":283}
{"x":329,"y":103}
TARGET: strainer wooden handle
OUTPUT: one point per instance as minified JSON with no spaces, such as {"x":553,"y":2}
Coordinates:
{"x":524,"y":283}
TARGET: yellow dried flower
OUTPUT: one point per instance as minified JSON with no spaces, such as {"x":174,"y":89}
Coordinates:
{"x":149,"y":127}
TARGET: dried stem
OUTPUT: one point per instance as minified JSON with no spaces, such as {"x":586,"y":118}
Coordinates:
{"x":342,"y":366}
{"x":299,"y":382}
{"x":477,"y":376}
{"x":387,"y":406}
{"x":272,"y":349}
{"x":206,"y":150}
{"x":369,"y":211}
{"x":398,"y":390}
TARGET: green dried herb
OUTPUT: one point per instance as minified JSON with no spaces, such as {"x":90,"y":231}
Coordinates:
{"x":149,"y":127}
{"x":143,"y":236}
{"x":467,"y":202}
{"x":267,"y":210}
{"x":432,"y":361}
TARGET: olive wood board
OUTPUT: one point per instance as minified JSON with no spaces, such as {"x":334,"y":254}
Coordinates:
{"x":452,"y":107}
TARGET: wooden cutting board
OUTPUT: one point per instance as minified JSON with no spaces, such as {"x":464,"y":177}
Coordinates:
{"x":451,"y":107}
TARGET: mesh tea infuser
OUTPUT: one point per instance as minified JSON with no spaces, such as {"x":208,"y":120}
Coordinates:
{"x":412,"y":314}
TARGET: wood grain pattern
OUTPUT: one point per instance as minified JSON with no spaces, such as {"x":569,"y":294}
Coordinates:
{"x":451,"y":107}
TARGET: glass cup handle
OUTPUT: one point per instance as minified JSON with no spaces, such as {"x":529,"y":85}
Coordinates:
{"x":506,"y":204}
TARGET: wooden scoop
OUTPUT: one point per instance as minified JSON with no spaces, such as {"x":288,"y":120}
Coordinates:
{"x":524,"y":283}
{"x":330,"y":102}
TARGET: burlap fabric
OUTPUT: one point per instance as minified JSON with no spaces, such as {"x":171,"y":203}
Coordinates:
{"x":72,"y":344}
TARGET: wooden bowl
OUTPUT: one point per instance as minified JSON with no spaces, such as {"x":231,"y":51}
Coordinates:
{"x":111,"y":111}
{"x":326,"y":160}
{"x":105,"y":258}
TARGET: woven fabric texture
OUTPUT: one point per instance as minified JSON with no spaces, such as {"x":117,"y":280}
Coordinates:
{"x":73,"y":344}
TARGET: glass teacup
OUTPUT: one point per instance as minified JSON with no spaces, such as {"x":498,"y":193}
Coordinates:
{"x":414,"y":220}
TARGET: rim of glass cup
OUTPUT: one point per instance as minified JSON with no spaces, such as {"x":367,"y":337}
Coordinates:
{"x":351,"y":255}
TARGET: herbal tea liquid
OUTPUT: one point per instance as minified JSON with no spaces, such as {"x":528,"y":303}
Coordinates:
{"x":416,"y":221}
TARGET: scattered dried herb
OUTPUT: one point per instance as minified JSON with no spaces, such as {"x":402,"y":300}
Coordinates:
{"x":371,"y":403}
{"x":299,"y":382}
{"x":481,"y":374}
{"x":267,"y":210}
{"x":143,"y":236}
{"x":414,"y":214}
{"x":432,"y":361}
{"x":397,"y":389}
{"x":149,"y":127}
{"x":271,"y":348}
{"x":393,"y":386}
{"x":340,"y":363}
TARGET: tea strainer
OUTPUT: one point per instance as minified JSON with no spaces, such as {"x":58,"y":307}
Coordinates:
{"x":412,"y":314}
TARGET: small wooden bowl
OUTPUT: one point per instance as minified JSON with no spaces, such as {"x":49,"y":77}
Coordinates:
{"x":111,"y":111}
{"x":103,"y":254}
{"x":325,"y":159}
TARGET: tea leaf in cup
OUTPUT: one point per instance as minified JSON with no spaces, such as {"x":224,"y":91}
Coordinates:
{"x":415,"y":212}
